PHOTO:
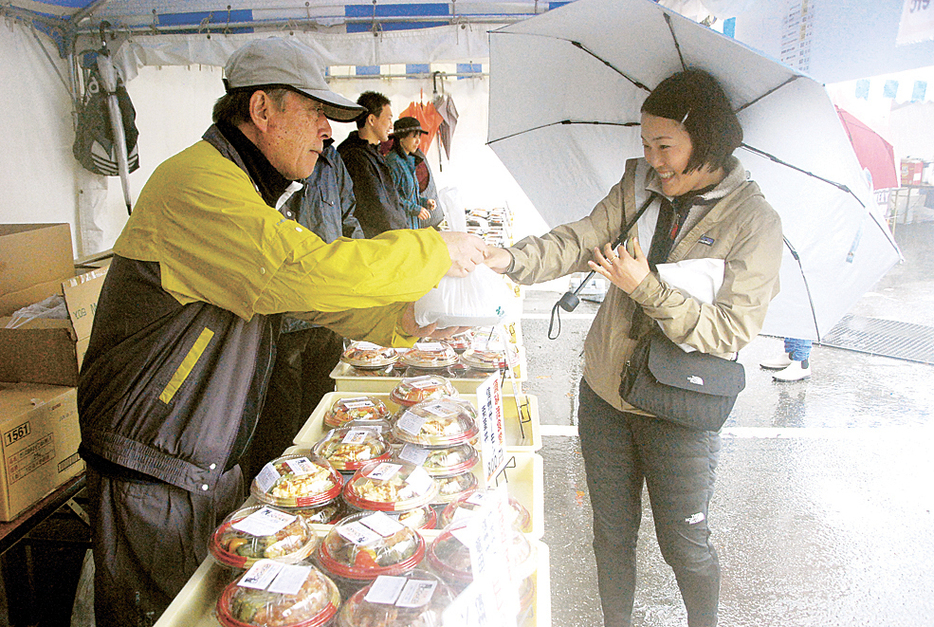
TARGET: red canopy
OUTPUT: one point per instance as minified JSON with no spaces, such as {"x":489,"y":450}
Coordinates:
{"x":873,"y":152}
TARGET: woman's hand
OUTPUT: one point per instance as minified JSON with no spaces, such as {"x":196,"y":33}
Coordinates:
{"x":497,"y":259}
{"x":622,"y":269}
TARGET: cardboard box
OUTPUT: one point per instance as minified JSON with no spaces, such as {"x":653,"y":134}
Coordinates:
{"x":39,"y":439}
{"x":35,"y":263}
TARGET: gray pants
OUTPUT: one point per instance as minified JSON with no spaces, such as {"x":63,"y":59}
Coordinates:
{"x":621,"y":452}
{"x":148,"y":539}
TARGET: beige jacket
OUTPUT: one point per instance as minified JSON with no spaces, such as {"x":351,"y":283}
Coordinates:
{"x":742,"y":229}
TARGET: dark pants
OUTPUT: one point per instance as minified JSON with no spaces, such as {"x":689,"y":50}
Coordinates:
{"x":148,"y":540}
{"x":299,"y":379}
{"x":621,"y":452}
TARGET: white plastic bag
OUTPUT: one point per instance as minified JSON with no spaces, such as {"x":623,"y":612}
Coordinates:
{"x":482,"y":298}
{"x":52,"y":307}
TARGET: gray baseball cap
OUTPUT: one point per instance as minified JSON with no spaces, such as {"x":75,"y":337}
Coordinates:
{"x":276,"y":62}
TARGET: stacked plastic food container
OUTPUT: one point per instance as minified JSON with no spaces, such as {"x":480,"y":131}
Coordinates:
{"x":363,"y":520}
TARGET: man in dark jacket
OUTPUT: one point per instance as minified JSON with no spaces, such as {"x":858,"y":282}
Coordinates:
{"x":185,"y":328}
{"x":378,"y":206}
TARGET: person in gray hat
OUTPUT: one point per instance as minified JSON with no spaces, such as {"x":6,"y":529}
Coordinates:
{"x":406,"y":133}
{"x":187,"y":321}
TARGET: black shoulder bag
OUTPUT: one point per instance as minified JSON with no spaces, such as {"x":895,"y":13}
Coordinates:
{"x":694,"y":390}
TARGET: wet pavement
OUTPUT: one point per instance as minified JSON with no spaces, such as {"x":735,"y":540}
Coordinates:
{"x":823,"y":514}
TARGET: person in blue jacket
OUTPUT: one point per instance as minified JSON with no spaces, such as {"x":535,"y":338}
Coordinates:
{"x":407,"y":132}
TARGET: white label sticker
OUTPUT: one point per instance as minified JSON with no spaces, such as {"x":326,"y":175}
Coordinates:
{"x":420,"y":481}
{"x":385,"y":590}
{"x":367,"y":346}
{"x":384,"y":472}
{"x":264,"y":522}
{"x":414,"y":454}
{"x":426,"y":381}
{"x":477,"y":498}
{"x":358,"y":534}
{"x":356,"y":436}
{"x":358,"y":404}
{"x":290,"y":579}
{"x":267,"y":477}
{"x":260,"y":574}
{"x":382,"y":524}
{"x":438,"y":408}
{"x":411,"y":423}
{"x":416,"y":593}
{"x":300,"y":466}
{"x":429,"y":347}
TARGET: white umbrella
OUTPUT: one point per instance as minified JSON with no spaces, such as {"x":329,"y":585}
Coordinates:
{"x":565,"y":92}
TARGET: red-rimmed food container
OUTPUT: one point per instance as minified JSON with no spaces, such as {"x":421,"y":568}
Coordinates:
{"x":454,"y":487}
{"x":297,"y":480}
{"x":466,"y":506}
{"x":413,"y":390}
{"x":416,"y":598}
{"x":261,"y":532}
{"x":320,"y":514}
{"x":351,"y":448}
{"x":390,"y":486}
{"x":485,"y":360}
{"x":430,"y":355}
{"x":363,"y":546}
{"x":459,"y":342}
{"x":436,"y":423}
{"x":452,"y":460}
{"x":424,"y":517}
{"x":369,"y":356}
{"x":313,"y":604}
{"x":450,"y":558}
{"x":357,"y":408}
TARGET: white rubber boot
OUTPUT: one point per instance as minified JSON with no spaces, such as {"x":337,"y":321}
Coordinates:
{"x":779,"y":363}
{"x":796,"y":371}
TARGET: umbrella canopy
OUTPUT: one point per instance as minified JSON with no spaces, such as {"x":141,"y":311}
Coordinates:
{"x":874,"y":153}
{"x":565,"y":92}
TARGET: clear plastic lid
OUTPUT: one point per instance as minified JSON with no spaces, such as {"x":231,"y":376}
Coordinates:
{"x":455,"y":486}
{"x":450,"y":558}
{"x":466,"y":506}
{"x":413,"y":599}
{"x":453,"y":460}
{"x":355,"y":408}
{"x":366,"y":545}
{"x":486,"y":360}
{"x":459,"y":342}
{"x":297,"y":480}
{"x":320,"y":514}
{"x":366,"y":355}
{"x":390,"y":486}
{"x":436,"y":423}
{"x":261,"y":532}
{"x":272,"y":594}
{"x":430,"y":355}
{"x":424,"y":517}
{"x":412,"y":390}
{"x":351,"y":448}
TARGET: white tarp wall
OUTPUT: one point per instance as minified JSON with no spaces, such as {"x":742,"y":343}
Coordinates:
{"x":44,"y":183}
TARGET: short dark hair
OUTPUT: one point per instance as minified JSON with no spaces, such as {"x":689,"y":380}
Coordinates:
{"x":373,"y":102}
{"x":234,"y":106}
{"x":695,"y":98}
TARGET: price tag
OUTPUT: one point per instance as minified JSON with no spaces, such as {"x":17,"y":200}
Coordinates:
{"x":420,"y":481}
{"x":411,"y":423}
{"x":300,"y":466}
{"x":264,"y":522}
{"x":260,"y":574}
{"x":438,"y":408}
{"x":290,"y":579}
{"x":416,"y":593}
{"x":429,"y":347}
{"x":356,"y":436}
{"x":425,"y":381}
{"x":267,"y":477}
{"x":357,"y":533}
{"x":384,"y":472}
{"x":414,"y":454}
{"x":385,"y":590}
{"x":358,"y":403}
{"x":367,"y":346}
{"x":382,"y":524}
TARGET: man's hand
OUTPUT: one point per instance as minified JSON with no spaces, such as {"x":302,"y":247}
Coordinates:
{"x":424,"y":214}
{"x":431,"y":331}
{"x":466,"y":252}
{"x":498,"y":259}
{"x":623,"y":270}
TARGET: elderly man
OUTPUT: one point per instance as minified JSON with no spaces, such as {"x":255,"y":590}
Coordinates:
{"x":185,"y":329}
